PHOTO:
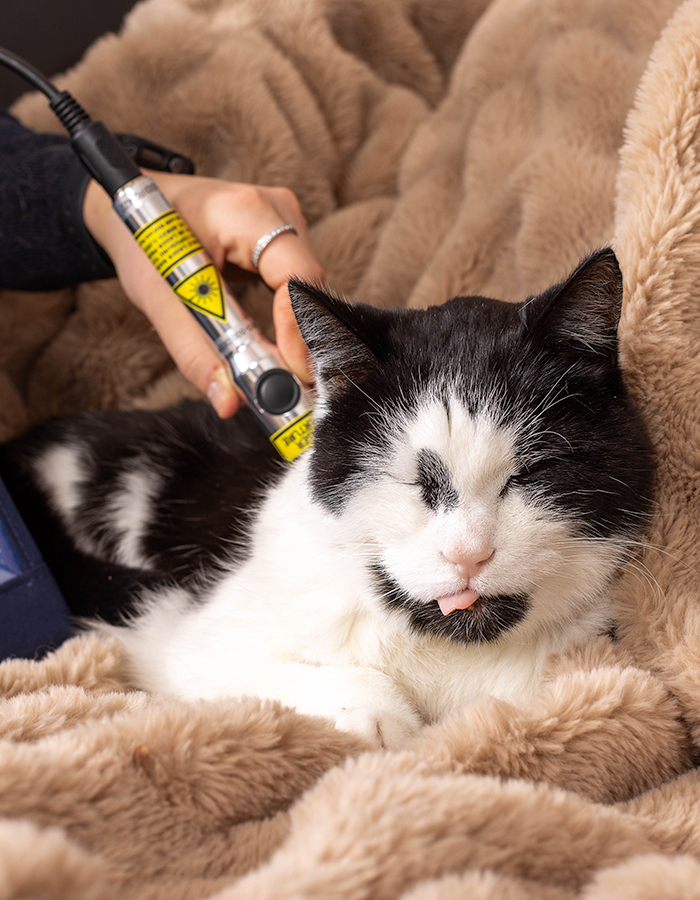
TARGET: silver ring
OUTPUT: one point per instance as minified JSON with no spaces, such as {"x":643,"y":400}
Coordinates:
{"x":267,"y":238}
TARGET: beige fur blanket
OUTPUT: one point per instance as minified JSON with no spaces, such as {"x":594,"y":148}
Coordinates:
{"x":437,"y":147}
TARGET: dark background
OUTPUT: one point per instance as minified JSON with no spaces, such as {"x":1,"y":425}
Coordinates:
{"x":52,"y":34}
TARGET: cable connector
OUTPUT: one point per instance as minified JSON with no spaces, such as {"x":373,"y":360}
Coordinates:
{"x":103,"y":156}
{"x":70,"y":112}
{"x":100,"y":152}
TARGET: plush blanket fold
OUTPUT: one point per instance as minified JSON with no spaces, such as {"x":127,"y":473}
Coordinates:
{"x":437,"y":147}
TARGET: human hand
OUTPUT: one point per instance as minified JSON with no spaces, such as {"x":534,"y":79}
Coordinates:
{"x":228,"y":218}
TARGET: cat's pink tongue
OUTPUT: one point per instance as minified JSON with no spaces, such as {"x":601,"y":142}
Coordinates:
{"x":462,"y":600}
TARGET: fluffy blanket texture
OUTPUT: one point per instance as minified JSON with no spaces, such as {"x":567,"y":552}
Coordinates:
{"x":437,"y":147}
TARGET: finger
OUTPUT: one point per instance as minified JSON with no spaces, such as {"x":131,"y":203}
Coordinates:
{"x":294,"y":352}
{"x":248,"y":213}
{"x":291,"y":257}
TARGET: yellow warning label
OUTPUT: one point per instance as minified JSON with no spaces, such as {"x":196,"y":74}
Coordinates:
{"x":202,"y":290}
{"x":167,"y":241}
{"x":295,"y":437}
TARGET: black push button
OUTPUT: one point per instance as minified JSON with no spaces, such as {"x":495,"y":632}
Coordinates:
{"x":277,"y":391}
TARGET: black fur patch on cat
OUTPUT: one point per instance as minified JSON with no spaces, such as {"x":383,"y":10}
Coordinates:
{"x":485,"y":621}
{"x":433,"y":479}
{"x":551,"y":360}
{"x":211,"y":472}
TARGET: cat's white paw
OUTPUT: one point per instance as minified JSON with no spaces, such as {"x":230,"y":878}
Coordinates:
{"x":384,"y":729}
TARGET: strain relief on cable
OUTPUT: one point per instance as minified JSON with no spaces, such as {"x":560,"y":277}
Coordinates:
{"x":70,"y":112}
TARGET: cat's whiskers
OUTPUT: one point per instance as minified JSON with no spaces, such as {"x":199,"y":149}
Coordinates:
{"x":645,"y":577}
{"x":635,"y":564}
{"x":629,"y":543}
{"x":364,"y":393}
{"x":545,"y":405}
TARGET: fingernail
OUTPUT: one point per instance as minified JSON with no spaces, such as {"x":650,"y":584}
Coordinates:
{"x":216,"y":394}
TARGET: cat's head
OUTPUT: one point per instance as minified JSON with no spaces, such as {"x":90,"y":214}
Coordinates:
{"x":484,"y":455}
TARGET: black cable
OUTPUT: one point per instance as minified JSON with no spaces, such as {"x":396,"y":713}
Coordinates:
{"x":27,"y":71}
{"x":101,"y":153}
{"x":73,"y":117}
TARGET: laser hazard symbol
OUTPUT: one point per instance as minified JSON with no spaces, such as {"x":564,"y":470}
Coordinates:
{"x":202,"y":291}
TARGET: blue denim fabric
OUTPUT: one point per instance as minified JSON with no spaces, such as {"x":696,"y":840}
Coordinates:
{"x":34,"y":617}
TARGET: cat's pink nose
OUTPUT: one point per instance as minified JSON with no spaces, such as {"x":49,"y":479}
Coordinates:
{"x":469,"y":563}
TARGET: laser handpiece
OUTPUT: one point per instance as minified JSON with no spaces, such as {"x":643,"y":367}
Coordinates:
{"x":278,"y":400}
{"x":273,"y":393}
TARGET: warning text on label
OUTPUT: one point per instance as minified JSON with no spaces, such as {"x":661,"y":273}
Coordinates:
{"x":167,"y":241}
{"x":294,"y":438}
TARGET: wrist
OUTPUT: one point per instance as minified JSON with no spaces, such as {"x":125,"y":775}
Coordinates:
{"x":97,"y":210}
{"x":88,"y":247}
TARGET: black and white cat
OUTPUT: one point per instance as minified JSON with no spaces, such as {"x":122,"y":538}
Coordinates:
{"x":478,"y":477}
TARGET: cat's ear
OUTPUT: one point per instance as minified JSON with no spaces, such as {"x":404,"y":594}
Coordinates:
{"x":583,"y":312}
{"x":338,"y":334}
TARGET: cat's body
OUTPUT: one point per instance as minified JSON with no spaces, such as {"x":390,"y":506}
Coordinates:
{"x":477,"y":480}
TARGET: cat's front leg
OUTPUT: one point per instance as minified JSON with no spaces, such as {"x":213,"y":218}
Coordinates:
{"x":381,"y":727}
{"x":360,"y":700}
{"x":201,"y":660}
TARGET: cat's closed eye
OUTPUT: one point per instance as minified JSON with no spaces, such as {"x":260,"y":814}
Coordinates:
{"x":527,"y":474}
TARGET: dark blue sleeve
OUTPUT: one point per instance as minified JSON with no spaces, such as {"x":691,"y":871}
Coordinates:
{"x":34,"y":617}
{"x":44,"y":243}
